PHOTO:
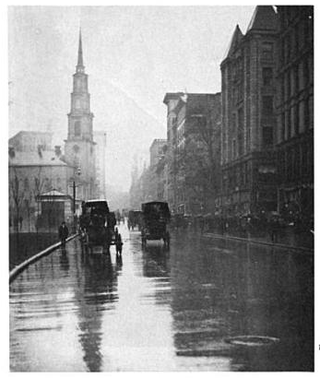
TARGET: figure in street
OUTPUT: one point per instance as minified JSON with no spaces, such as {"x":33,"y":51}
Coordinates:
{"x":63,"y":233}
{"x":119,"y":244}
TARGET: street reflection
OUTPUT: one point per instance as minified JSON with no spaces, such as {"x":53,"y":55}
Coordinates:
{"x":155,"y":261}
{"x":98,"y":295}
{"x":233,"y":289}
{"x":64,"y":261}
{"x":180,"y":309}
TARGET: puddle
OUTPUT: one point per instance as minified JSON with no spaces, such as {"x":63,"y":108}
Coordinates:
{"x":252,"y":340}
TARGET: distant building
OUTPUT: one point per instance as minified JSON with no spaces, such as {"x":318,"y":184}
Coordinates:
{"x":79,"y":145}
{"x":32,"y":173}
{"x":39,"y":174}
{"x":294,"y":110}
{"x":31,"y":140}
{"x":248,"y":129}
{"x":100,"y":138}
{"x":156,"y":151}
{"x":193,"y":132}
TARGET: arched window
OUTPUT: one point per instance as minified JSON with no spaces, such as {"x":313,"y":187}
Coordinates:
{"x":77,"y":128}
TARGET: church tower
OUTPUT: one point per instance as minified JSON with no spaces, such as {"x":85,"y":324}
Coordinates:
{"x":79,"y":146}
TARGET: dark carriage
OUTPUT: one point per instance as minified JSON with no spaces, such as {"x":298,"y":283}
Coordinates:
{"x":155,"y":219}
{"x":97,"y":223}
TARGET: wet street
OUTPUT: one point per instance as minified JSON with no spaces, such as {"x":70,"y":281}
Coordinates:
{"x":204,"y":305}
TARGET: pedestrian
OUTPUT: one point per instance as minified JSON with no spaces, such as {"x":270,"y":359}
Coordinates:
{"x":273,"y":229}
{"x":63,"y":232}
{"x":119,"y":244}
{"x":20,"y":222}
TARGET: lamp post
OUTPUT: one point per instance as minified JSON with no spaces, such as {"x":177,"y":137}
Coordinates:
{"x":74,"y":200}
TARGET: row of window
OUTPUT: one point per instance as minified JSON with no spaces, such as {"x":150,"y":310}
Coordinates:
{"x":295,"y":42}
{"x":295,"y":120}
{"x":295,"y":80}
{"x":295,"y":162}
{"x":236,"y":177}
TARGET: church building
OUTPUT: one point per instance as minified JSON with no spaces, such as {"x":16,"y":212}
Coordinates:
{"x":79,"y":145}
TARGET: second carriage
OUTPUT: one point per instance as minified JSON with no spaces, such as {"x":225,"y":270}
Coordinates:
{"x":155,"y":219}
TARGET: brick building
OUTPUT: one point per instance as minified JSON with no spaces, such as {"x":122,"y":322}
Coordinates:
{"x":193,"y":133}
{"x":248,"y":117}
{"x":294,"y":110}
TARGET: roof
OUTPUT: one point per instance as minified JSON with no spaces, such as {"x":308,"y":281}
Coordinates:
{"x":53,"y":193}
{"x":235,"y":40}
{"x":172,"y":96}
{"x":27,"y":158}
{"x":264,"y":18}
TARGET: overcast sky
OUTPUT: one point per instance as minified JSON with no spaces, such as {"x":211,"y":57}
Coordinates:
{"x":133,"y":55}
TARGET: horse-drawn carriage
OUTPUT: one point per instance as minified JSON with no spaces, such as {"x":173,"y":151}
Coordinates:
{"x":97,"y":224}
{"x":155,"y":218}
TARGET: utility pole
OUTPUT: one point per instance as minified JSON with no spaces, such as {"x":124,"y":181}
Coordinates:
{"x":74,"y":205}
{"x":74,"y":201}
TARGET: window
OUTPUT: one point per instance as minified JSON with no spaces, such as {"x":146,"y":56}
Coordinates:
{"x":267,"y":136}
{"x":267,"y":75}
{"x":267,"y":105}
{"x":288,"y":86}
{"x":267,"y":50}
{"x":296,"y":79}
{"x":77,"y":128}
{"x":306,"y":72}
{"x":77,"y":103}
{"x":296,"y":119}
{"x":234,"y":152}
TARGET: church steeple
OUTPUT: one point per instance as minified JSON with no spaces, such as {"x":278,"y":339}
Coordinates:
{"x":79,"y":146}
{"x":80,"y":66}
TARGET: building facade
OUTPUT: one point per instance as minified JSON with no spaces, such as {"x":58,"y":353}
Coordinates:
{"x":79,"y":145}
{"x":100,"y":138}
{"x":30,"y":141}
{"x":248,"y":164}
{"x":294,"y":111}
{"x":32,"y":173}
{"x":193,"y":131}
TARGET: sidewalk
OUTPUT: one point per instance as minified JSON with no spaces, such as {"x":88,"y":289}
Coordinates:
{"x":285,"y":238}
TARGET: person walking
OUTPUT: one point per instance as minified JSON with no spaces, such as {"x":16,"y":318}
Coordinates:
{"x":119,"y":244}
{"x":63,"y":233}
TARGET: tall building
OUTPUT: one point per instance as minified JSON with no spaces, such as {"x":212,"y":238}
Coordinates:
{"x":79,"y":145}
{"x":193,"y":132}
{"x":248,"y":117}
{"x":294,"y":110}
{"x":156,"y":151}
{"x":100,"y":138}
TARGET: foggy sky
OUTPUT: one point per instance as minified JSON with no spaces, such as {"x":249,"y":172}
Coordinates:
{"x":133,"y":56}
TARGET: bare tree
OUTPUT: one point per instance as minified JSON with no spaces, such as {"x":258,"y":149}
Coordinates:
{"x":37,"y":190}
{"x":198,"y":162}
{"x":17,"y":195}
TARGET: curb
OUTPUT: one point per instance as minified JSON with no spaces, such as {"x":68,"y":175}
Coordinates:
{"x":18,"y":269}
{"x":252,"y":241}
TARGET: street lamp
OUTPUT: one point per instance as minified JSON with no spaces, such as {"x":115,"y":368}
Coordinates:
{"x":74,"y":199}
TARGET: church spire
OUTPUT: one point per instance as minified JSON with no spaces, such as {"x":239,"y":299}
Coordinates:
{"x":80,"y":66}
